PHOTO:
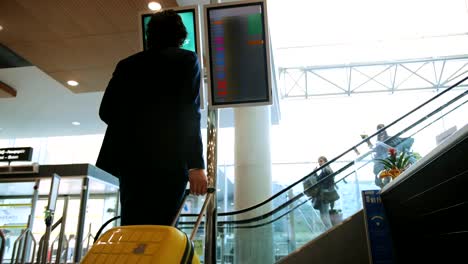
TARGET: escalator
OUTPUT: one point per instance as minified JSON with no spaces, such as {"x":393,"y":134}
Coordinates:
{"x":286,"y":223}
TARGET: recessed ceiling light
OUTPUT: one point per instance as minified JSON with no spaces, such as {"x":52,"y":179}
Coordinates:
{"x":75,"y":123}
{"x":155,"y":6}
{"x":1,"y":27}
{"x":72,"y":83}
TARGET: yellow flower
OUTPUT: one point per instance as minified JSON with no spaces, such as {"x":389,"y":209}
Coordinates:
{"x":385,"y":173}
{"x":394,"y":172}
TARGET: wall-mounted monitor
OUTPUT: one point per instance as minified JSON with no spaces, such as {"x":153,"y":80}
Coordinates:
{"x":237,"y":43}
{"x":189,"y":15}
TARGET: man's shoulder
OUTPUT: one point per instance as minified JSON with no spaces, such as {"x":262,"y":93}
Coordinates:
{"x":132,"y":58}
{"x":172,"y":53}
{"x":128,"y":62}
{"x":179,"y":53}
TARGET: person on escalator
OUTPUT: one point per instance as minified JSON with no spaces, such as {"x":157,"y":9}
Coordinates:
{"x":324,"y":195}
{"x":153,"y":140}
{"x":7,"y":236}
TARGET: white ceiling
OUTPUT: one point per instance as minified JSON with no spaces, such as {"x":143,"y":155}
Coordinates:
{"x":43,"y":107}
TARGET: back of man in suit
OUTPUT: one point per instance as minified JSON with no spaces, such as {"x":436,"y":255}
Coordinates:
{"x":152,"y":109}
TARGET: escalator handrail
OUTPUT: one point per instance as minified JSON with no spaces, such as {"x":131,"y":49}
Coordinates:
{"x":339,"y":156}
{"x":246,"y":221}
{"x":421,"y":120}
{"x":288,"y":202}
{"x":257,"y":218}
{"x":293,"y":199}
{"x":285,"y":204}
{"x":427,"y":116}
{"x":221,"y":223}
{"x":440,"y":117}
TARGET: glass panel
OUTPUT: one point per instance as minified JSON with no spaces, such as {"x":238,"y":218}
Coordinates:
{"x":9,"y":189}
{"x":16,"y":204}
{"x":290,"y":218}
{"x":102,"y":206}
{"x":15,"y":208}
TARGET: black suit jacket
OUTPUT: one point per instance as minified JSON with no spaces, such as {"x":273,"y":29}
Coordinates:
{"x":152,"y":109}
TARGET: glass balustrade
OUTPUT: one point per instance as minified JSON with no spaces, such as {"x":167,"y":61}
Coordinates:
{"x":291,"y":218}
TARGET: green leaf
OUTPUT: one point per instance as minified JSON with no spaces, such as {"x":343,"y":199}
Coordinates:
{"x":387,"y":164}
{"x":400,"y":160}
{"x":406,"y":161}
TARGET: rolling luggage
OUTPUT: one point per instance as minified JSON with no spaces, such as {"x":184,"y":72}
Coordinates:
{"x":146,"y":244}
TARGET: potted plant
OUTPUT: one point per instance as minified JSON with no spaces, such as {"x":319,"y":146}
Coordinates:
{"x":336,"y":216}
{"x":394,"y":165}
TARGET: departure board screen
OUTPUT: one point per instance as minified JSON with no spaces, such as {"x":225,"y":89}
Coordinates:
{"x":237,"y":45}
{"x":188,"y":17}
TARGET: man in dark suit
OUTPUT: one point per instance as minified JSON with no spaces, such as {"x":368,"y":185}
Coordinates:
{"x":152,"y":110}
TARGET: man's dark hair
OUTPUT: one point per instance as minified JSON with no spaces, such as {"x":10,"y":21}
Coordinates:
{"x":165,"y":29}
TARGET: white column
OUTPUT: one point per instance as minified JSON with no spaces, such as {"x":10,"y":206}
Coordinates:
{"x":253,"y":182}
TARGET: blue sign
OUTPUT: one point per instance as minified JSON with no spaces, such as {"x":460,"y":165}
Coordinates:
{"x":377,"y":229}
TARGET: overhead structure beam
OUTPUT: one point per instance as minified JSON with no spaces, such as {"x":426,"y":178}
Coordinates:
{"x":388,"y":76}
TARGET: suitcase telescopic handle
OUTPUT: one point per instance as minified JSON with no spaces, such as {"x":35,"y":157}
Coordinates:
{"x":98,"y":234}
{"x":182,"y":203}
{"x":209,"y":195}
{"x":209,"y":191}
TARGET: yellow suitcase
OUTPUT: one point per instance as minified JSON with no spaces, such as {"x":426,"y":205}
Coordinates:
{"x":144,"y":244}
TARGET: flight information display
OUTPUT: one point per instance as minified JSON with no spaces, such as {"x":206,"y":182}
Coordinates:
{"x":238,"y":48}
{"x":188,"y":18}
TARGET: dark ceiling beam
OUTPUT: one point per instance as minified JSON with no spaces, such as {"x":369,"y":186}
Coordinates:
{"x":6,"y":90}
{"x":9,"y":59}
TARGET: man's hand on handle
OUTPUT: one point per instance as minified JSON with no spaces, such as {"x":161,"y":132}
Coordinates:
{"x":198,"y":181}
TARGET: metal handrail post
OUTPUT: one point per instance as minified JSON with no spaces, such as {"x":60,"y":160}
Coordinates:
{"x":23,"y":241}
{"x":88,"y":238}
{"x":40,"y":250}
{"x":62,"y":230}
{"x":212,"y":167}
{"x":2,"y":245}
{"x":52,"y":246}
{"x":34,"y":245}
{"x":211,"y":211}
{"x":35,"y":198}
{"x":81,"y":221}
{"x":291,"y":225}
{"x":17,"y":246}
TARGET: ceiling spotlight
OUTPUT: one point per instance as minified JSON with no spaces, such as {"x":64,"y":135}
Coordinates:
{"x":72,"y":83}
{"x":155,"y":6}
{"x":1,"y":27}
{"x":75,"y":123}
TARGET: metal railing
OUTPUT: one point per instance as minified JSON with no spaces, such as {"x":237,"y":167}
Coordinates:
{"x":295,"y":202}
